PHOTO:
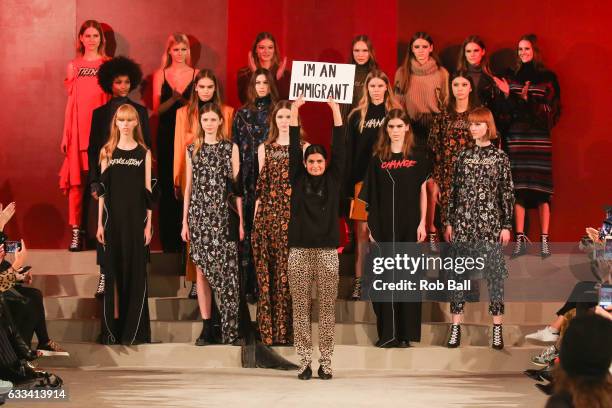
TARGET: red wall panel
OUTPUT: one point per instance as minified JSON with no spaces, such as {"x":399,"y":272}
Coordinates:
{"x":576,"y":43}
{"x":38,"y":41}
{"x":39,"y":38}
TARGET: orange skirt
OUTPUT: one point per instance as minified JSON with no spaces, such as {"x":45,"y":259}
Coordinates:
{"x":358,"y":207}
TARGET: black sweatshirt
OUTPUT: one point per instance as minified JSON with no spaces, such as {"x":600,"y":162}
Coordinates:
{"x":315,"y":199}
{"x":362,"y":142}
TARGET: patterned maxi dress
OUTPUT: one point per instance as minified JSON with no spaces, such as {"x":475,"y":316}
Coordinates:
{"x":250,"y":129}
{"x":271,"y":247}
{"x":449,"y":135}
{"x":480,"y":205}
{"x":213,"y":248}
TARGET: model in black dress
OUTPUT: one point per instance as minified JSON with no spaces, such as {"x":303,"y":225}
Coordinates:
{"x":124,"y":228}
{"x":117,"y":77}
{"x":395,"y":193}
{"x":169,"y":206}
{"x":172,"y":86}
{"x":249,"y":130}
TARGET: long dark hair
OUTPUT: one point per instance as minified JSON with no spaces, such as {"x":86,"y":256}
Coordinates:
{"x":382,"y":148}
{"x":194,"y":100}
{"x":252,"y":94}
{"x":273,"y":132}
{"x":198,"y":140}
{"x":452,"y":101}
{"x":406,"y":68}
{"x":372,"y":64}
{"x":538,"y":64}
{"x":463,"y":64}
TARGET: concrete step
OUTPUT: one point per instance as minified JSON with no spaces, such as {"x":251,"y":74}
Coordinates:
{"x":186,"y":355}
{"x":87,"y":330}
{"x":347,"y":311}
{"x":61,"y":262}
{"x":85,"y":285}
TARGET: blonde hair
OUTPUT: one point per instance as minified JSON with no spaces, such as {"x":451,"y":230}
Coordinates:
{"x":198,"y":141}
{"x":484,"y":115}
{"x":364,"y":102}
{"x":125,"y":111}
{"x":175,"y":38}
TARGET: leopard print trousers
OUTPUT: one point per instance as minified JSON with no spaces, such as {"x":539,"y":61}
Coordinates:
{"x":305,"y":266}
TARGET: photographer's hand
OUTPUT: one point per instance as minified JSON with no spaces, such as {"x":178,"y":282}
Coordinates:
{"x":20,"y":256}
{"x":6,"y":214}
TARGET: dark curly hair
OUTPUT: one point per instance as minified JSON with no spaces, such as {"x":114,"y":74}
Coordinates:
{"x":115,"y":67}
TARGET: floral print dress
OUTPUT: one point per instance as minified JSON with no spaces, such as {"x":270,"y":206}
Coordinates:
{"x":480,"y":205}
{"x":449,"y":135}
{"x":271,"y":247}
{"x":212,"y":249}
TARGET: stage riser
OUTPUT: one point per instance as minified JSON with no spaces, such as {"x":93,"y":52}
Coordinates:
{"x":353,"y":334}
{"x":159,"y":285}
{"x":172,"y":308}
{"x":59,"y":262}
{"x":179,"y":355}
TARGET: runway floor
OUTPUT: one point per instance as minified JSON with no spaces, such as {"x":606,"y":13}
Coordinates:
{"x":158,"y":387}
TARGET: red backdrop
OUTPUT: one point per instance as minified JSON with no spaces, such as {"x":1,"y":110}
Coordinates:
{"x":576,"y":44}
{"x":39,"y":41}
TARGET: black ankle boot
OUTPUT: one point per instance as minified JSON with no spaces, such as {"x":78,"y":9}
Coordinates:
{"x":454,"y":337}
{"x":433,"y":242}
{"x":520,"y":246}
{"x":193,"y":292}
{"x":323,"y":375}
{"x":544,"y":247}
{"x":498,"y":337}
{"x":306,"y":374}
{"x":76,"y":243}
{"x":207,"y":334}
{"x":101,"y":286}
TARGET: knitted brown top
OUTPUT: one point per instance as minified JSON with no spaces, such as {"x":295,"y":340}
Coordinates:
{"x":427,"y":89}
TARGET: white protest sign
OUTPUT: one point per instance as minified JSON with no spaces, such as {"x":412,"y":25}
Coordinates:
{"x":319,"y":81}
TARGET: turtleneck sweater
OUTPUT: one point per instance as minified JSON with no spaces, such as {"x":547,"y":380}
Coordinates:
{"x":475,"y":72}
{"x":428,"y":86}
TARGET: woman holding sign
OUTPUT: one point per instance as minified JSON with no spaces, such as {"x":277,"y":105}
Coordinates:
{"x":250,"y":129}
{"x":313,"y":239}
{"x":395,"y":193}
{"x":364,"y":123}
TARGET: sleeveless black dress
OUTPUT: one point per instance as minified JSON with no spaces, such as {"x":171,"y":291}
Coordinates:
{"x":170,"y":209}
{"x":126,"y":200}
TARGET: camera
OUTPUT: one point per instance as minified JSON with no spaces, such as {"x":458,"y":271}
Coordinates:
{"x":10,"y":247}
